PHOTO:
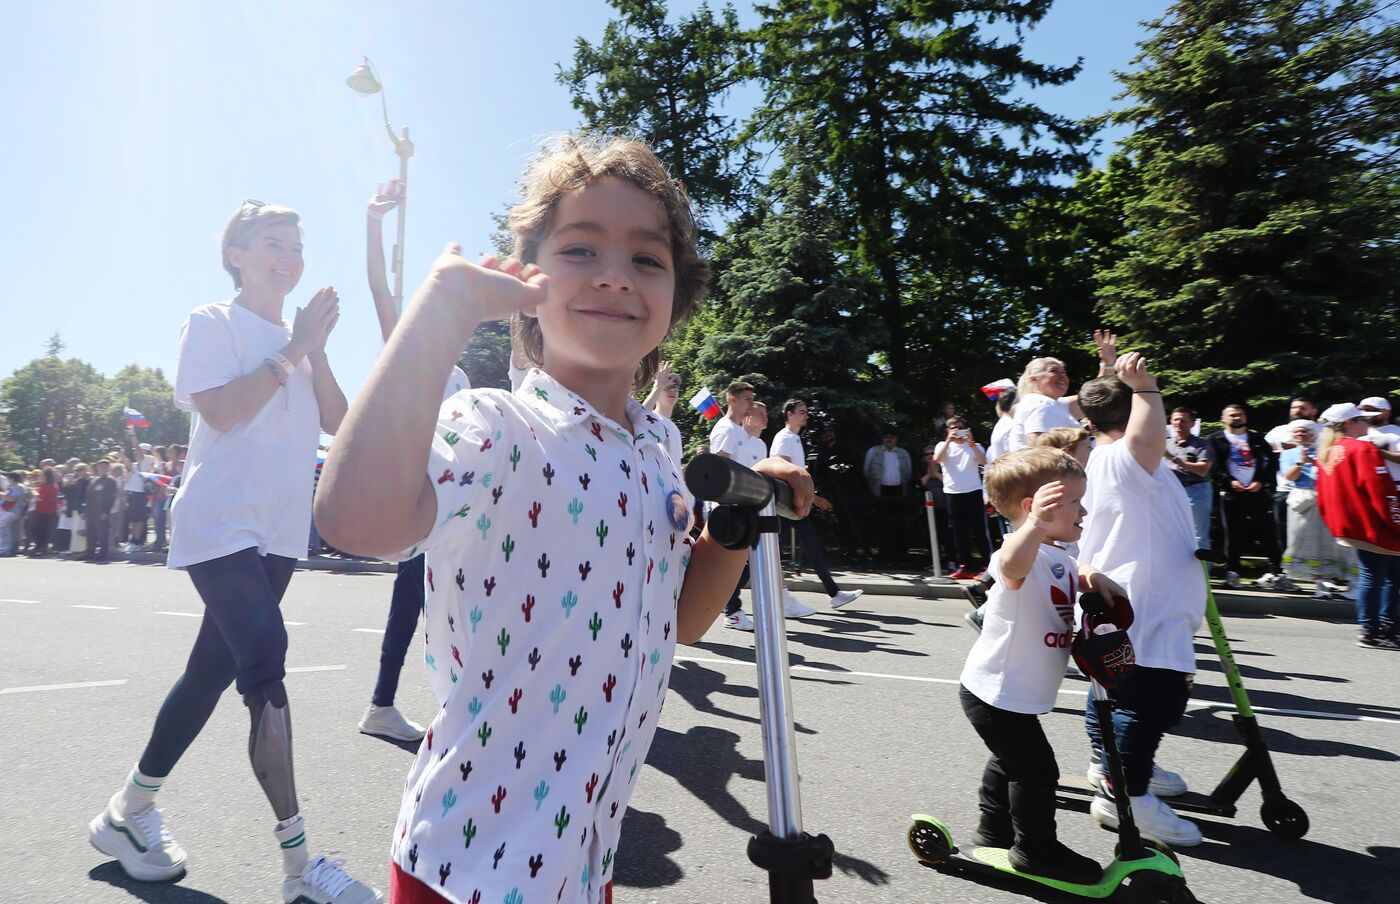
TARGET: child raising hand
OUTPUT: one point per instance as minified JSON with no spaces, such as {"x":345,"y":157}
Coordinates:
{"x":560,"y":573}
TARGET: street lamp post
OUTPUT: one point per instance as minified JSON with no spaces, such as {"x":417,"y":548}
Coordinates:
{"x":365,"y":81}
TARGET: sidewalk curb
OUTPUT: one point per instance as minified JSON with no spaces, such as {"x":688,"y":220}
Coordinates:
{"x":1230,"y":602}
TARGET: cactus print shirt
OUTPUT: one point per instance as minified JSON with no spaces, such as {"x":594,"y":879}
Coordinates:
{"x":553,"y":575}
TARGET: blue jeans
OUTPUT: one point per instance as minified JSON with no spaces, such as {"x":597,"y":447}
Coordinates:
{"x":1202,"y":498}
{"x":1377,"y":589}
{"x":1147,"y":703}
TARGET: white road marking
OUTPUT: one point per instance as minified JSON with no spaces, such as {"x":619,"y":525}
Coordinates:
{"x":293,"y":622}
{"x":26,"y":602}
{"x":183,"y":614}
{"x":81,"y":606}
{"x":62,"y":687}
{"x":1304,"y":713}
{"x":369,"y":630}
{"x":317,"y":668}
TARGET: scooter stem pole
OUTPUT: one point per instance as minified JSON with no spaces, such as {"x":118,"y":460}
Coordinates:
{"x":1227,"y":656}
{"x":774,"y":687}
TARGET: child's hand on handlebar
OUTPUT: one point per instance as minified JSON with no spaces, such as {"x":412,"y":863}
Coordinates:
{"x":1104,"y":586}
{"x":796,"y":478}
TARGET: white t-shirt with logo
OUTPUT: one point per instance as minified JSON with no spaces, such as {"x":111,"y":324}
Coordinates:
{"x":1036,"y":413}
{"x":789,"y":445}
{"x":1139,"y":532}
{"x":249,"y":486}
{"x":1019,"y":659}
{"x":961,"y":473}
{"x":1241,"y":464}
{"x":750,"y":452}
{"x":726,"y":436}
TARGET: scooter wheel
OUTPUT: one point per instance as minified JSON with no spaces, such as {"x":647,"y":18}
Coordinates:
{"x":1148,"y":887}
{"x":929,"y":842}
{"x":1284,"y":818}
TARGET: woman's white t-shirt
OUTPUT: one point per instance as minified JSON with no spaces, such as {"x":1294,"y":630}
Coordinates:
{"x":1019,"y":659}
{"x":961,"y":473}
{"x":249,"y":486}
{"x":1036,"y":413}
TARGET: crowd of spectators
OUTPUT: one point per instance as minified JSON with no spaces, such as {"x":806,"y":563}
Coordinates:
{"x":85,"y":509}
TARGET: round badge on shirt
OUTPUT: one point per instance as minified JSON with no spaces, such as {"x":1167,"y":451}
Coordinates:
{"x":677,"y":512}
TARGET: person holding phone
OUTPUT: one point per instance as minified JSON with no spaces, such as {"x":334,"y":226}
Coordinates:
{"x":962,"y":459}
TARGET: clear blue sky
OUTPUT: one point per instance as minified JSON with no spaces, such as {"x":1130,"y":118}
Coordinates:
{"x":136,"y":128}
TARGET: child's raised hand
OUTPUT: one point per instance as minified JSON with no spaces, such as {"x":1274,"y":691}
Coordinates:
{"x":488,"y":290}
{"x":386,"y":198}
{"x":1046,"y":501}
{"x":1132,"y":369}
{"x":797,"y":478}
{"x":1106,"y":341}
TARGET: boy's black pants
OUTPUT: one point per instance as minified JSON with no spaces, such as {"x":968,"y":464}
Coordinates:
{"x":1018,"y":784}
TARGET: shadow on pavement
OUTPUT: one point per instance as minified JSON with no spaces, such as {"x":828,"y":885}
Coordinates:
{"x":1321,"y":872}
{"x":642,"y":861}
{"x":155,"y":892}
{"x":1216,"y":725}
{"x":703,"y":761}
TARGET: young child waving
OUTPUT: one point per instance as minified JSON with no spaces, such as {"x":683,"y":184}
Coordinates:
{"x":559,"y":571}
{"x":1016,"y":665}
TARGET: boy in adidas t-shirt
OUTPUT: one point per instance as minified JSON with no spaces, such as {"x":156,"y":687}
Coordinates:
{"x":1018,"y":661}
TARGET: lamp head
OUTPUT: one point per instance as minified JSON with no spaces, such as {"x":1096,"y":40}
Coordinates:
{"x":362,"y":80}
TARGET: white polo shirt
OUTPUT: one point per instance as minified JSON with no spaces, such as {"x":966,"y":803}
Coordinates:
{"x":552,"y":578}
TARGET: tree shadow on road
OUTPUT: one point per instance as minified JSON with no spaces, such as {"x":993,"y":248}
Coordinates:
{"x":154,"y":892}
{"x":1215,"y":725}
{"x":703,"y":761}
{"x":1321,"y":872}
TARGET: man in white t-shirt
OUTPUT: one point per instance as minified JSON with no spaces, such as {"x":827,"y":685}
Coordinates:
{"x":1383,"y":434}
{"x":1300,"y":408}
{"x":961,"y":459}
{"x":787,"y":444}
{"x":1139,"y":532}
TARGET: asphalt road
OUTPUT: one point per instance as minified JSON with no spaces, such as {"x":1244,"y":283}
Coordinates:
{"x":88,"y":652}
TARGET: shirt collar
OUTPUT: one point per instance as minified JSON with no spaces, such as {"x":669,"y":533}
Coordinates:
{"x":564,"y":408}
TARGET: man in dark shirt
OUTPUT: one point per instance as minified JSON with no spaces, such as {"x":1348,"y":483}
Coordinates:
{"x":97,"y":505}
{"x":1244,"y":471}
{"x":75,"y":484}
{"x":836,"y":473}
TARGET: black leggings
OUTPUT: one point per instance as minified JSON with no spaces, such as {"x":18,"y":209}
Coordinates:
{"x":241,"y":639}
{"x":1018,"y":782}
{"x":967,"y":513}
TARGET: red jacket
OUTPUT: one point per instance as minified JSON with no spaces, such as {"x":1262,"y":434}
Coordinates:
{"x":1357,"y":497}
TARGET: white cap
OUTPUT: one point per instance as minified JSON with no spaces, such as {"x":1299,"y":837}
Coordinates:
{"x":1342,"y":412}
{"x":1375,"y":403}
{"x":145,"y":447}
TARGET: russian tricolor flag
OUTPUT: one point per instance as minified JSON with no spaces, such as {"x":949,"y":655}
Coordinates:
{"x":135,"y":419}
{"x":993,"y":391}
{"x":704,"y":402}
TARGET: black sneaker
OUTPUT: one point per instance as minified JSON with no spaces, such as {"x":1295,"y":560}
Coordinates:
{"x":1374,"y":642}
{"x":1055,"y":861}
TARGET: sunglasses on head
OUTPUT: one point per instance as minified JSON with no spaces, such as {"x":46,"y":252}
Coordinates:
{"x":250,"y":202}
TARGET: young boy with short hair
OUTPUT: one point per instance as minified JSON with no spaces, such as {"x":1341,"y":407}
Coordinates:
{"x":1015,"y":668}
{"x":1140,"y":532}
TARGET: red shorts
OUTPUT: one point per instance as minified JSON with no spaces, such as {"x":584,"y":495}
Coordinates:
{"x":406,"y":889}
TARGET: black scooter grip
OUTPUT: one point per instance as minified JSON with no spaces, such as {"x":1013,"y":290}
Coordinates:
{"x":714,"y":478}
{"x":1213,"y":556}
{"x":1092,"y":603}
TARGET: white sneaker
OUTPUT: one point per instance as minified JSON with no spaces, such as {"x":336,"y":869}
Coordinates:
{"x":1269,"y":581}
{"x":1333,"y":589}
{"x":842,"y":597}
{"x":1164,"y":783}
{"x":1232,"y":580}
{"x":325,"y":882}
{"x":140,"y":842}
{"x":794,"y":609}
{"x":388,"y":722}
{"x":1155,"y":820}
{"x":739,"y":621}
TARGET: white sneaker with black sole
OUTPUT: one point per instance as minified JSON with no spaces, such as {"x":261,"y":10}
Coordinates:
{"x":388,"y":722}
{"x":1155,"y":820}
{"x":1164,"y":783}
{"x":842,"y":597}
{"x":139,"y":841}
{"x":1267,"y":581}
{"x":326,"y":882}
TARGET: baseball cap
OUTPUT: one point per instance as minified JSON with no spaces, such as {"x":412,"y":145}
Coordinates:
{"x":1375,"y":403}
{"x":1342,"y":412}
{"x":1310,"y":426}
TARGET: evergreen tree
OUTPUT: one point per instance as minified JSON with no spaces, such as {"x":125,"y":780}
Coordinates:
{"x":1259,"y":253}
{"x":927,"y":154}
{"x":784,"y":316}
{"x":665,"y":81}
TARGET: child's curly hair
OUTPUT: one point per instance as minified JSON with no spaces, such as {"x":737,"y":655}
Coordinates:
{"x":570,"y":162}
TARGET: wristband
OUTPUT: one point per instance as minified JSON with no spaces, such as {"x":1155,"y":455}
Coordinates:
{"x":284,"y":362}
{"x":278,"y":369}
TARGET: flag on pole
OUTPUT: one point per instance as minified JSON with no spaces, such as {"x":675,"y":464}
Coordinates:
{"x":135,"y":419}
{"x":993,"y":391}
{"x":704,"y":402}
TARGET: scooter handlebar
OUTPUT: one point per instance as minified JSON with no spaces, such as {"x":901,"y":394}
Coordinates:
{"x":714,"y":478}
